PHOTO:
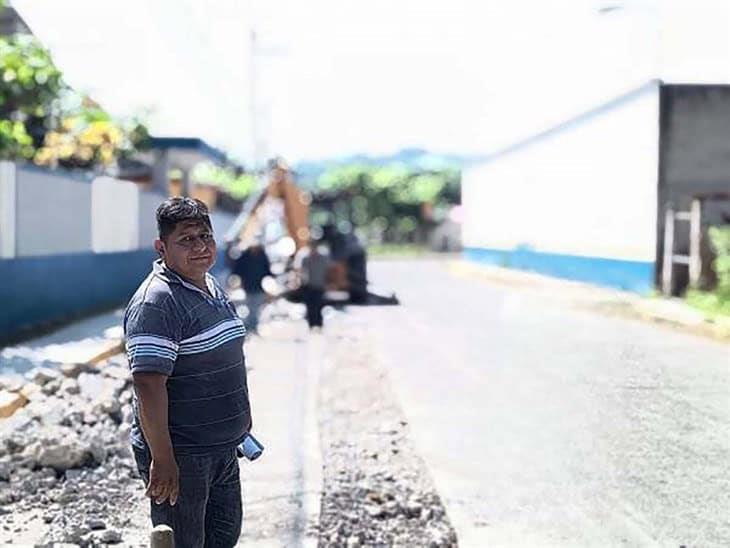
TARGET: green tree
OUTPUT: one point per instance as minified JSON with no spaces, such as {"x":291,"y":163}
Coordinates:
{"x":43,"y":120}
{"x":389,"y":197}
{"x":29,"y":89}
{"x":720,"y":241}
{"x":89,"y":137}
{"x":15,"y":141}
{"x":716,"y":302}
{"x":237,"y":185}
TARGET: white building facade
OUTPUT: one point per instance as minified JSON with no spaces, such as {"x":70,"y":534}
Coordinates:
{"x":585,"y":200}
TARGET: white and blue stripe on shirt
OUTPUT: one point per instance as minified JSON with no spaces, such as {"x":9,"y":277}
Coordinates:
{"x":209,"y":339}
{"x":151,"y":346}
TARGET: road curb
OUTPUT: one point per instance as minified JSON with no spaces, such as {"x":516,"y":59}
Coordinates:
{"x":7,"y":409}
{"x":673,"y":312}
{"x":313,"y":480}
{"x":112,"y":349}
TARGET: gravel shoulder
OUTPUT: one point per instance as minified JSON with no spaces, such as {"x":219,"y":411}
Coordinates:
{"x":377,"y":490}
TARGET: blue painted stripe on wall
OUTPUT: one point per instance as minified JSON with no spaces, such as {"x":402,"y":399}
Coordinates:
{"x":51,"y":288}
{"x":637,"y":276}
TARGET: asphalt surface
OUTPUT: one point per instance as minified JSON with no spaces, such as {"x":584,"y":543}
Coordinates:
{"x":545,"y":424}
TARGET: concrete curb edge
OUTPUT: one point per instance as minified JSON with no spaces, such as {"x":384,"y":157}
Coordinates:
{"x":671,"y":312}
{"x":113,"y":348}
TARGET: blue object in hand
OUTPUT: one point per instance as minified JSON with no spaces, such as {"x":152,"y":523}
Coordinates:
{"x":249,"y":448}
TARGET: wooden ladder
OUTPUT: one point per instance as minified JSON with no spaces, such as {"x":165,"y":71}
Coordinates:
{"x":692,"y":220}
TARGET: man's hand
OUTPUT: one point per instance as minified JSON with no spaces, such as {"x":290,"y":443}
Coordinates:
{"x":152,"y":395}
{"x":164,"y":480}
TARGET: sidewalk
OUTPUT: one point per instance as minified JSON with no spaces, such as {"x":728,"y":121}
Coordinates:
{"x":673,"y":312}
{"x":85,"y":341}
{"x":88,"y":341}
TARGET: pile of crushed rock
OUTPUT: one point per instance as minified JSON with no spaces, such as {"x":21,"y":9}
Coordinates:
{"x":67,"y":474}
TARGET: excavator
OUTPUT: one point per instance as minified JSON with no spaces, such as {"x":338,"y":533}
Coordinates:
{"x":278,"y":217}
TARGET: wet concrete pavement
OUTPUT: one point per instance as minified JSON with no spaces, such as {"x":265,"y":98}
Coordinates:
{"x":547,"y":424}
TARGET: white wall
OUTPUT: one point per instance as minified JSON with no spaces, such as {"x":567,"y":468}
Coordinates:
{"x":52,"y":213}
{"x":7,"y":210}
{"x":587,"y":189}
{"x":55,"y":213}
{"x":114,"y":215}
{"x":148,"y":202}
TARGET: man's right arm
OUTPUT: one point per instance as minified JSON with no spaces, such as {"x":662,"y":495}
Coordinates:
{"x":151,"y":392}
{"x":153,"y":334}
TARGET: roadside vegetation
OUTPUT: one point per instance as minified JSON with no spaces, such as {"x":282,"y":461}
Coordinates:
{"x":397,"y":250}
{"x":44,"y":121}
{"x":716,"y":303}
{"x":393,"y":204}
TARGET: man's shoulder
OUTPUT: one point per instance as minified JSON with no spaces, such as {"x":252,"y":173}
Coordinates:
{"x":153,"y":291}
{"x":152,"y":303}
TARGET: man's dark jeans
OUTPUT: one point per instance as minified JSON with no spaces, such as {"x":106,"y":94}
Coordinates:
{"x":208,"y":512}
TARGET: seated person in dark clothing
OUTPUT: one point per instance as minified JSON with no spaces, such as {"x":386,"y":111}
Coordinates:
{"x":252,"y":267}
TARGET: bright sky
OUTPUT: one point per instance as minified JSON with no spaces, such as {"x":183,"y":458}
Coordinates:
{"x":373,"y":76}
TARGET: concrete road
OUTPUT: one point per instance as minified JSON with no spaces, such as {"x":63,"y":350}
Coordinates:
{"x":547,"y":425}
{"x":281,"y":490}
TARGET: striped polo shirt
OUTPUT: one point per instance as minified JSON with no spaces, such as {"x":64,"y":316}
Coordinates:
{"x":195,"y":339}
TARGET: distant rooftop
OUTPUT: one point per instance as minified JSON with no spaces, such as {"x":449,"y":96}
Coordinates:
{"x":11,"y":22}
{"x":184,"y":152}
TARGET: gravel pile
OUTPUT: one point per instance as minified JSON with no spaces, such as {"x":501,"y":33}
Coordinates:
{"x":377,"y":491}
{"x":66,"y":470}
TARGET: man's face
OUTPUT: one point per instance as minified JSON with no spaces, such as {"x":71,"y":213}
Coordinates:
{"x":189,"y":250}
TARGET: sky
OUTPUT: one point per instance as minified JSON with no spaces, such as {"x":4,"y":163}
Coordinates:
{"x":325,"y":78}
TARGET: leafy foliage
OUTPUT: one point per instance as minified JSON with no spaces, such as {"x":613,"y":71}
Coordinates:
{"x":29,"y":87}
{"x":403,"y":185}
{"x":30,"y":82}
{"x":716,"y":302}
{"x":237,"y":185}
{"x":15,"y":141}
{"x":387,"y":199}
{"x":88,"y":138}
{"x":720,"y":240}
{"x":43,"y":120}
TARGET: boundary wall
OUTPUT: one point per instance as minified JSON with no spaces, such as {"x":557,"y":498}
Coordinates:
{"x":578,"y":201}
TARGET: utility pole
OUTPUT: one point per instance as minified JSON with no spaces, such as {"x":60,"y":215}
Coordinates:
{"x":256,"y":157}
{"x":260,"y":110}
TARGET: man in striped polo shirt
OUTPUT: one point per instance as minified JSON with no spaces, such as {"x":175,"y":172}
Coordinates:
{"x":191,"y":406}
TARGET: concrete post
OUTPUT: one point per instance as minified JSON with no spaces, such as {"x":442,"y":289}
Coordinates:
{"x":161,"y":171}
{"x":162,"y":537}
{"x":695,"y":241}
{"x":8,"y":209}
{"x":187,"y":184}
{"x":668,"y":263}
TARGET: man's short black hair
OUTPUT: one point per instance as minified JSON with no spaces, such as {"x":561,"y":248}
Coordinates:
{"x":178,"y":210}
